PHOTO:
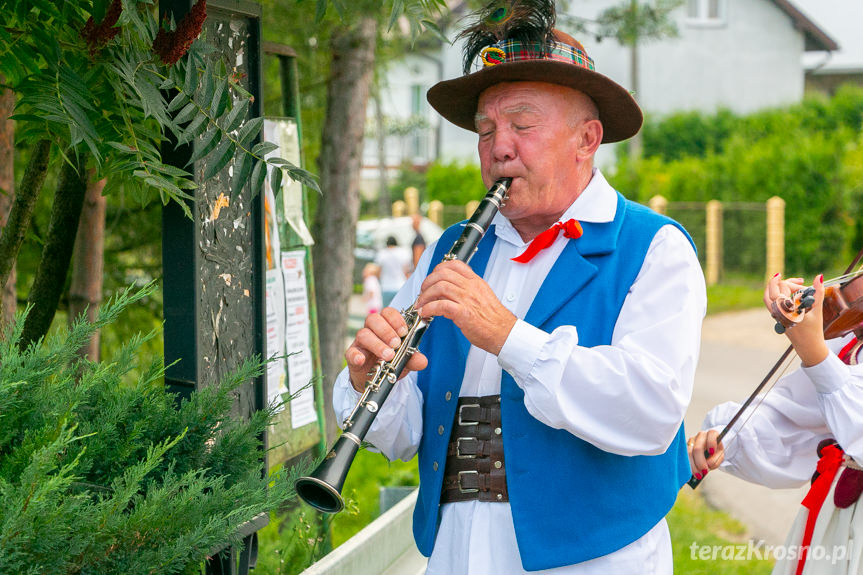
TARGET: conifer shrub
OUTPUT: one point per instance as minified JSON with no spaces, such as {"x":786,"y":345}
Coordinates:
{"x":102,"y":470}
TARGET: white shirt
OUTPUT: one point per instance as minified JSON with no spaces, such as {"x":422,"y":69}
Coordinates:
{"x":776,"y":445}
{"x":393,"y":261}
{"x":627,"y":398}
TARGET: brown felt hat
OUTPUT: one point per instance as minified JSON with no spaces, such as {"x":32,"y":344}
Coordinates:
{"x":563,"y":62}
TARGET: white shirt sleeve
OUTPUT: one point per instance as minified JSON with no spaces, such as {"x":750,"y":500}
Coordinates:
{"x":397,"y":428}
{"x":775,"y":445}
{"x":629,"y":397}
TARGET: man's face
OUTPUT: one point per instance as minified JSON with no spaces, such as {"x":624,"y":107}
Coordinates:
{"x":532,"y":132}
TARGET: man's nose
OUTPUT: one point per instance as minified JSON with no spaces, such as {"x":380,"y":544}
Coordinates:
{"x":503,"y":147}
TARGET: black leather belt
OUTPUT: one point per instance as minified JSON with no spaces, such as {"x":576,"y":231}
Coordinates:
{"x":475,"y":467}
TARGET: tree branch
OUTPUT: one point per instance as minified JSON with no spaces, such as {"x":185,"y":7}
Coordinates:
{"x":57,"y":254}
{"x":22,"y":209}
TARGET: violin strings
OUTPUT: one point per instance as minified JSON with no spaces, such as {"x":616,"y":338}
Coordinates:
{"x":844,"y":277}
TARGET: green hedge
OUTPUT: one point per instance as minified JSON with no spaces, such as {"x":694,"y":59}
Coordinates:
{"x":810,"y":155}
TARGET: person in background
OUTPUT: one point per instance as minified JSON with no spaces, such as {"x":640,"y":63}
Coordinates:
{"x":372,"y":295}
{"x":419,"y":244}
{"x":547,"y":398}
{"x":810,"y":422}
{"x":394,"y":263}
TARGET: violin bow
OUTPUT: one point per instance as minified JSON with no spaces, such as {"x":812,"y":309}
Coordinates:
{"x":693,"y":481}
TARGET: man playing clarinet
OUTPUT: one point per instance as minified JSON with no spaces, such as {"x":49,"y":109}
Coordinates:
{"x":547,"y":397}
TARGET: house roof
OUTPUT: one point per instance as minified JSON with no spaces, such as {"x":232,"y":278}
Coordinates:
{"x":816,"y":38}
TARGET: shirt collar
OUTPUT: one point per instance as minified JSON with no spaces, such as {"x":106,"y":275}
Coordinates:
{"x":597,"y":204}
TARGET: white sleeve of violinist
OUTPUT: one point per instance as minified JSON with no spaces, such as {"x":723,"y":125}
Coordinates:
{"x":776,"y":445}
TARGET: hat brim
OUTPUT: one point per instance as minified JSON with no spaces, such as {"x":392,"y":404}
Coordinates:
{"x":457,"y":99}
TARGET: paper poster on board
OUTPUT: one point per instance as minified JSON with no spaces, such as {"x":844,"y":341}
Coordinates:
{"x":276,"y":377}
{"x":297,"y":344}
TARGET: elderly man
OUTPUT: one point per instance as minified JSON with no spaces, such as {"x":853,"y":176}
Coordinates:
{"x":548,"y":398}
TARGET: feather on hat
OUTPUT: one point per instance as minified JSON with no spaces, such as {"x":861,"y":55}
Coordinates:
{"x":516,"y":41}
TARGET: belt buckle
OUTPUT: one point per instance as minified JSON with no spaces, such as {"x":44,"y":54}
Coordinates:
{"x":462,"y":489}
{"x":458,"y":453}
{"x":460,"y":420}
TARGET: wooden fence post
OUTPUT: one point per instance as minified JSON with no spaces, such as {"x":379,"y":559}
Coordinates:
{"x":775,"y":236}
{"x":436,"y":212}
{"x":470,"y":208}
{"x":399,"y":208}
{"x":713,"y":232}
{"x":412,"y":199}
{"x":658,"y":204}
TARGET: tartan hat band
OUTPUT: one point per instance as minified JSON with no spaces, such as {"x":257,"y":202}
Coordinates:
{"x":518,"y":51}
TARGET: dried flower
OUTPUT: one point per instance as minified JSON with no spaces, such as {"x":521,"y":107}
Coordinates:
{"x":171,"y":45}
{"x":98,"y":36}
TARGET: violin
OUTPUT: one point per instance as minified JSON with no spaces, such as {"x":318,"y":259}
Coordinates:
{"x":843,"y":314}
{"x":842,"y":310}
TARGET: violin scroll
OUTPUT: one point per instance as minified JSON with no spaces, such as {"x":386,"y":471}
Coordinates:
{"x":789,"y":311}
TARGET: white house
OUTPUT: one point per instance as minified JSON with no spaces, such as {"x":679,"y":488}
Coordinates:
{"x":825,"y":71}
{"x":743,"y":55}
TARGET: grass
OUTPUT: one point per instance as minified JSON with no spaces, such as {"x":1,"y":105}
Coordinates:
{"x":734,"y":296}
{"x":719,"y":539}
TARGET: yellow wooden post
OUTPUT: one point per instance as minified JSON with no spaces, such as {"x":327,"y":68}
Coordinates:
{"x":658,"y":204}
{"x":436,"y":212}
{"x":399,"y":208}
{"x":713,"y":231}
{"x":775,"y":236}
{"x":470,"y":208}
{"x":412,"y":199}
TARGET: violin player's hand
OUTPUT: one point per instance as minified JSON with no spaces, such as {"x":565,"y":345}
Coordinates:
{"x":697,"y":445}
{"x":807,"y":336}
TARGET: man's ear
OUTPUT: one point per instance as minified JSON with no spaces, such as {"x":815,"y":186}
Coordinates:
{"x":589,"y":139}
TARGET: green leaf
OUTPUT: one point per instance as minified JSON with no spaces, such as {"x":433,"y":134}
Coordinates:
{"x":250,"y":130}
{"x":170,"y":170}
{"x":398,"y":6}
{"x":195,"y":129}
{"x":220,"y":159}
{"x":187,"y":113}
{"x":122,"y":147}
{"x":151,"y":98}
{"x":208,"y":85}
{"x":321,"y":10}
{"x":258,"y":176}
{"x":264,"y":148}
{"x":220,"y":99}
{"x":190,"y":83}
{"x":436,"y":31}
{"x":235,"y":116}
{"x":276,"y":180}
{"x":210,"y":140}
{"x":242,"y":168}
{"x":304,"y":177}
{"x":177,"y":102}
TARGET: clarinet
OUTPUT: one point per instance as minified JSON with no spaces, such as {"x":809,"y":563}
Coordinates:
{"x":322,"y":489}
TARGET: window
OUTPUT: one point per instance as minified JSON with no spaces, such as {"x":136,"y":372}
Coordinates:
{"x":706,"y":11}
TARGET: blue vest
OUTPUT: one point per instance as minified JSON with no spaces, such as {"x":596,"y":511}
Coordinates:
{"x":570,"y":500}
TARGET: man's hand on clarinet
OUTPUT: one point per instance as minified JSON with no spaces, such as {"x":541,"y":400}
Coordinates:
{"x":378,"y":339}
{"x":697,"y":445}
{"x":454,"y":291}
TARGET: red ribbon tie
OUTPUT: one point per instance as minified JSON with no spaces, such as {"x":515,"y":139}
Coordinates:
{"x":571,"y":229}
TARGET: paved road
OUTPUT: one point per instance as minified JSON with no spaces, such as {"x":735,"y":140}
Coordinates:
{"x":737,"y":351}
